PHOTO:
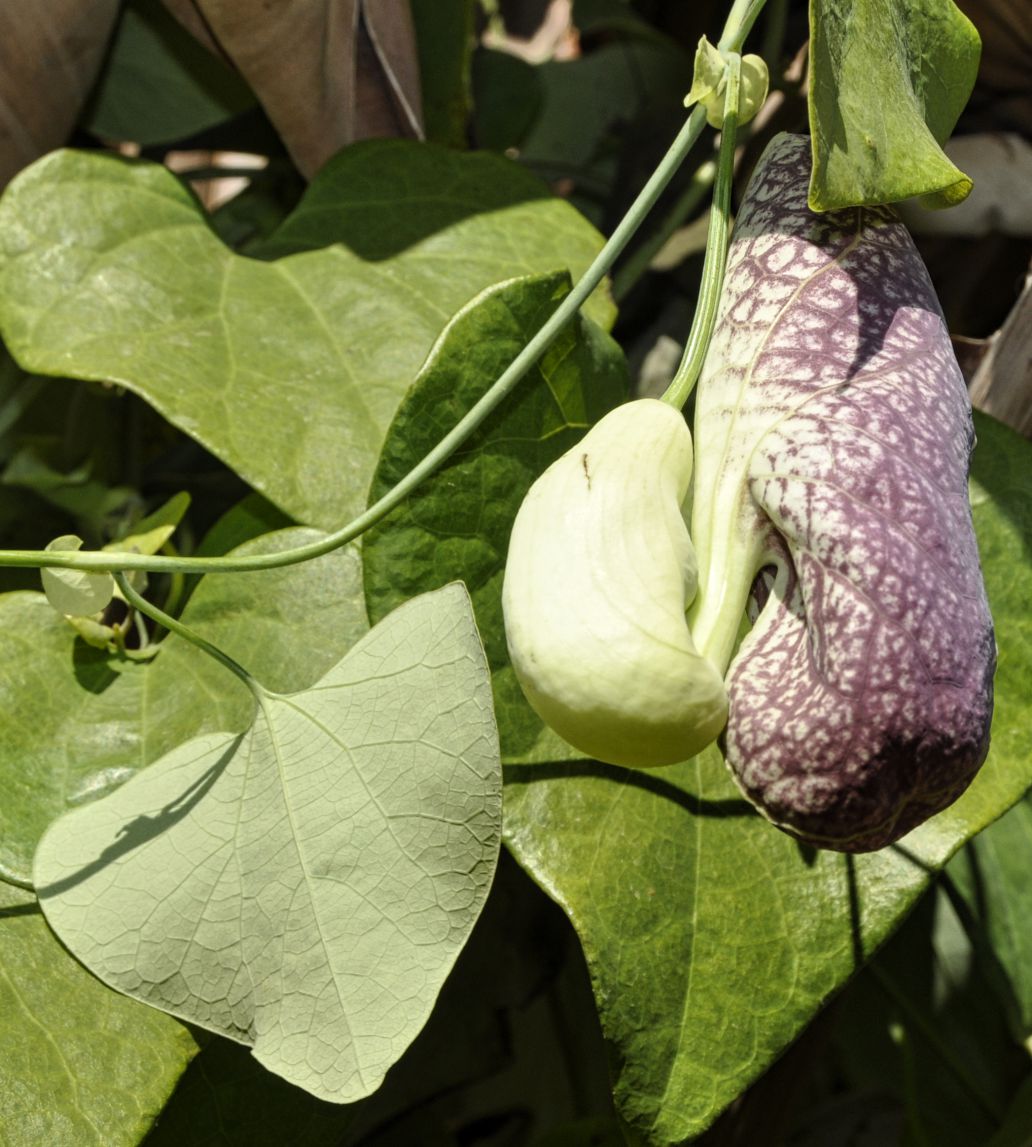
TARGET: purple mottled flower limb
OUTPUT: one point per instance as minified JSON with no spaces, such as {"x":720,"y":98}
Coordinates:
{"x":833,"y":437}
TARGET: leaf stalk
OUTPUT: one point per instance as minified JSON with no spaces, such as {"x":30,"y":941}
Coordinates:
{"x":173,"y":625}
{"x":717,"y":239}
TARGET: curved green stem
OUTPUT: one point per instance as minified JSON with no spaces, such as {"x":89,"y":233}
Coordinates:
{"x":740,"y":20}
{"x":142,"y":605}
{"x":739,"y":24}
{"x":112,"y":561}
{"x":716,"y":249}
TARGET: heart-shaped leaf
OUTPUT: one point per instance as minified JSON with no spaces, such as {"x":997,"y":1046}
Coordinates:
{"x":304,"y":887}
{"x":74,"y":592}
{"x":290,"y":371}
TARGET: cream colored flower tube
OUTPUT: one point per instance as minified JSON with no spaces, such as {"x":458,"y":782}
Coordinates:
{"x":600,"y":571}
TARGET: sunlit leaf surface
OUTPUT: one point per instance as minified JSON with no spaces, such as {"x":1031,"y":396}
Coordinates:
{"x":288,"y":370}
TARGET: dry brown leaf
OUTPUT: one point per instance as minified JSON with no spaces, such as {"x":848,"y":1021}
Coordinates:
{"x":49,"y":57}
{"x":1002,"y":384}
{"x":327,"y":72}
{"x":1002,"y":99}
{"x":187,"y":13}
{"x":392,"y":37}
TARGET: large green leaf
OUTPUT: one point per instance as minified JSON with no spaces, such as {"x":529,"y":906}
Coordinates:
{"x":466,"y":1065}
{"x":712,"y":937}
{"x":78,"y":722}
{"x":81,"y":1066}
{"x":889,"y":79}
{"x":993,"y":870}
{"x":288,"y":370}
{"x":303,"y":888}
{"x":457,"y":524}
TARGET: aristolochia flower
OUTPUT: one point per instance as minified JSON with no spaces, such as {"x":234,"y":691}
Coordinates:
{"x":600,"y":571}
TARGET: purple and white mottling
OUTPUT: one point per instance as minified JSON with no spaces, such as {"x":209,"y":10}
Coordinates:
{"x":860,"y":703}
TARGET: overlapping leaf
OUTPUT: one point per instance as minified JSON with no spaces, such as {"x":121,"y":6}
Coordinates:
{"x":712,"y":937}
{"x":921,"y":1024}
{"x":78,"y":722}
{"x":291,"y":370}
{"x":80,"y":1065}
{"x":159,"y":84}
{"x":303,"y":887}
{"x":457,"y":524}
{"x":327,"y":73}
{"x":472,"y":1040}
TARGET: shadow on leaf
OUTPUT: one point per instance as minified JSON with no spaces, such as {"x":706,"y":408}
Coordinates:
{"x":144,"y":828}
{"x":650,"y":782}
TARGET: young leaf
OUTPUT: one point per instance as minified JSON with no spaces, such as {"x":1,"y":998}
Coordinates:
{"x":152,"y":532}
{"x":74,"y":592}
{"x":457,"y":524}
{"x":833,"y":432}
{"x":303,"y":888}
{"x":290,"y":371}
{"x":889,"y":79}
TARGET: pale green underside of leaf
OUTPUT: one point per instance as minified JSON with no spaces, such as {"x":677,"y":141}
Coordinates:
{"x":75,"y":592}
{"x":457,"y":523}
{"x":306,"y":887}
{"x":889,"y":80}
{"x":78,"y":723}
{"x":80,"y":1065}
{"x":712,"y":938}
{"x":288,"y":370}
